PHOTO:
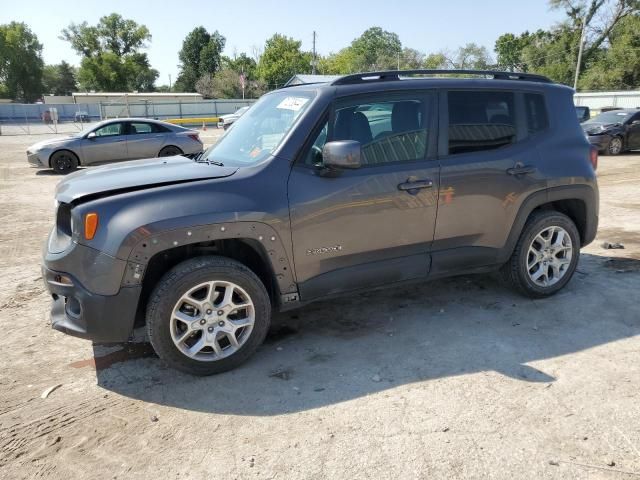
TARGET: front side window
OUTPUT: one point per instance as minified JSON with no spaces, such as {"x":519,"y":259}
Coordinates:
{"x":257,"y":133}
{"x":388,"y":129}
{"x":109,"y":130}
{"x":480,"y":120}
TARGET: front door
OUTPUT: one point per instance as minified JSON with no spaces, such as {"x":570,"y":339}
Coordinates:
{"x":108,"y":145}
{"x":633,"y":132}
{"x":373,"y":225}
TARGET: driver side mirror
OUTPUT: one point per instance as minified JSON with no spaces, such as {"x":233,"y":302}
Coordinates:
{"x":342,"y":154}
{"x":91,"y":135}
{"x":635,"y":122}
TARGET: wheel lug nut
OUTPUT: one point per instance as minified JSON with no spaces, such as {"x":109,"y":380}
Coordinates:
{"x":209,"y":311}
{"x":220,"y":313}
{"x":221,"y":323}
{"x":203,"y":321}
{"x":210,"y":329}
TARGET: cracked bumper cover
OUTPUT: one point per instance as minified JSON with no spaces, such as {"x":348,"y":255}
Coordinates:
{"x":87,"y":298}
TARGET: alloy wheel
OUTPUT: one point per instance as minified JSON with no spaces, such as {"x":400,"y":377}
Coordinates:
{"x":549,"y":256}
{"x":212,"y":320}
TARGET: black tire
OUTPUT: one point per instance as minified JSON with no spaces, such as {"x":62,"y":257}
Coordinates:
{"x":181,"y":278}
{"x":515,"y":271}
{"x":615,"y":147}
{"x":63,"y":162}
{"x":170,"y":151}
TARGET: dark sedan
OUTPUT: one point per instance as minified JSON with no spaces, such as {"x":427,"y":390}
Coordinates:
{"x":615,"y":131}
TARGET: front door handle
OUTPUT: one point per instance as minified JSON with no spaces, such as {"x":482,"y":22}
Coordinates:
{"x":415,"y":185}
{"x":520,"y":169}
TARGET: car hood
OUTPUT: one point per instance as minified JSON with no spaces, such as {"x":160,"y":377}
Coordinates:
{"x":136,"y":175}
{"x":592,"y":128}
{"x":228,"y":116}
{"x":50,"y":143}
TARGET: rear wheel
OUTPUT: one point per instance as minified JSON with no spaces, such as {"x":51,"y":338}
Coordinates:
{"x":208,"y":315}
{"x":170,"y":151}
{"x":545,"y":256}
{"x":615,"y":146}
{"x":64,"y":162}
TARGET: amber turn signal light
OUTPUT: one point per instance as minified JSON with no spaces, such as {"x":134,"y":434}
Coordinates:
{"x":90,"y":225}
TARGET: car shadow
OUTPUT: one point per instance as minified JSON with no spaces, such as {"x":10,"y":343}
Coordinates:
{"x":339,"y":350}
{"x":52,"y":173}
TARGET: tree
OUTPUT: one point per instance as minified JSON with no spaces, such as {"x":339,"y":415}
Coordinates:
{"x":111,"y":57}
{"x":227,"y":84}
{"x":376,"y":49}
{"x":281,"y":60}
{"x":200,"y":55}
{"x":21,"y":63}
{"x":59,"y":79}
{"x":618,"y":68}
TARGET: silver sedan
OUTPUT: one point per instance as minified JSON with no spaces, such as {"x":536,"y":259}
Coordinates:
{"x":114,"y":141}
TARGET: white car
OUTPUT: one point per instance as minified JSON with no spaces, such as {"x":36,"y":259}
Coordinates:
{"x":227,"y":120}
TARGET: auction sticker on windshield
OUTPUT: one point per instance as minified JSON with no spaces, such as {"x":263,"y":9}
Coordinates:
{"x":292,"y":103}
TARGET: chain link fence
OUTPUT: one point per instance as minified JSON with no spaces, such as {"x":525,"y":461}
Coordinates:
{"x":34,"y":119}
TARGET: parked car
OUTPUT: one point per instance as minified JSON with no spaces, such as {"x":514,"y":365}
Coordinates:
{"x":81,"y":116}
{"x":615,"y":131}
{"x":583,"y":113}
{"x":114,"y":141}
{"x":367,"y":182}
{"x":227,"y":120}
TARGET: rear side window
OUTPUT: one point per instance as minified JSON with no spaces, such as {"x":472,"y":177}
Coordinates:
{"x":480,"y":120}
{"x":536,"y":111}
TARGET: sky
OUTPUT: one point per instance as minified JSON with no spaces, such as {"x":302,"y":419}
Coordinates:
{"x":425,"y":25}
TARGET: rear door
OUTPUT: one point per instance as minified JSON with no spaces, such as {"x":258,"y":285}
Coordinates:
{"x":488,"y":167}
{"x":144,"y":139}
{"x":108,"y":145}
{"x":373,"y":225}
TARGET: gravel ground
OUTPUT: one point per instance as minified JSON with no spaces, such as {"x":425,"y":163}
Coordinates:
{"x":458,"y":378}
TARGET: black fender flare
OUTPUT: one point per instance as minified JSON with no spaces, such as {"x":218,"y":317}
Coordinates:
{"x":582,"y":192}
{"x":261,"y":233}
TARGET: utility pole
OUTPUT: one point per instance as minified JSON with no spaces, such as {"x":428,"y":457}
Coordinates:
{"x":580,"y":48}
{"x":313,"y":62}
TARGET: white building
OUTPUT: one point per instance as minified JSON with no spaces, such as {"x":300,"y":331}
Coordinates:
{"x":597,"y":100}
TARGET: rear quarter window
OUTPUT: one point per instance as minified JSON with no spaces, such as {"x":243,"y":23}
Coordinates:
{"x":536,"y":113}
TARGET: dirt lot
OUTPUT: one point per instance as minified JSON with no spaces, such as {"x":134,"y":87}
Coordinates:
{"x":453,"y":379}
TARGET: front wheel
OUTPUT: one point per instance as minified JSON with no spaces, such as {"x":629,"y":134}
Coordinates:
{"x":615,"y":146}
{"x":208,"y":315}
{"x":545,"y":256}
{"x":64,"y":162}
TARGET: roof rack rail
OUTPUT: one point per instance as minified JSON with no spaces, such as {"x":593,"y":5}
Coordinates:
{"x":397,"y":74}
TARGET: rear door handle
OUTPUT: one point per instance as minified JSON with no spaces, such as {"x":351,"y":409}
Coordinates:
{"x":520,"y":169}
{"x":415,"y":185}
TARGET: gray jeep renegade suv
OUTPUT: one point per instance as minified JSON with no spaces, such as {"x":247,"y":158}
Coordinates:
{"x":325,"y":189}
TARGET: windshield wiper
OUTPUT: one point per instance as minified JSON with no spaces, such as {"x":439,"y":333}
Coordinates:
{"x":198,"y":159}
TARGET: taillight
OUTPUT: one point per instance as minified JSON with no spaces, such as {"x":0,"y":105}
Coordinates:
{"x":90,"y":225}
{"x":593,"y":156}
{"x":194,"y":136}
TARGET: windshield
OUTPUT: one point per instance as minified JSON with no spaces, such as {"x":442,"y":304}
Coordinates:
{"x":615,"y":116}
{"x":257,"y":133}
